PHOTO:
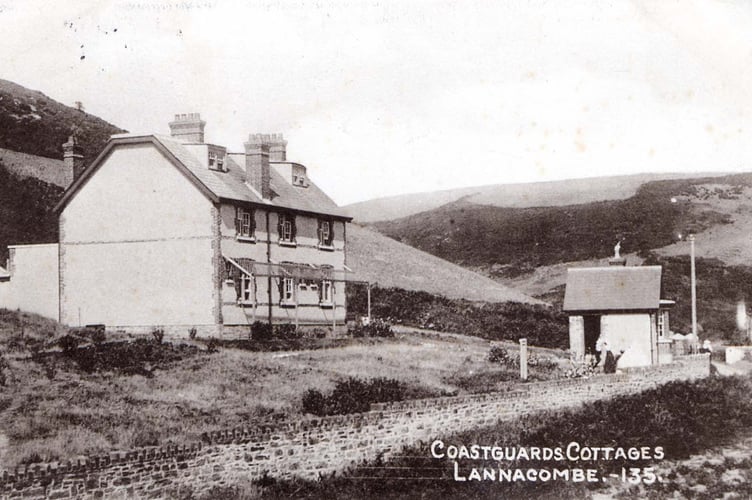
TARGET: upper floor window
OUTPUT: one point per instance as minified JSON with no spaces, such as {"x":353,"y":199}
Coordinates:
{"x":245,"y":223}
{"x":286,"y":228}
{"x":326,"y":233}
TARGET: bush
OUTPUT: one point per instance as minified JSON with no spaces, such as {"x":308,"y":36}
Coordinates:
{"x":498,"y":354}
{"x":192,"y":333}
{"x":376,"y":328}
{"x":261,"y":331}
{"x":353,"y":395}
{"x":286,"y":331}
{"x":158,"y":335}
{"x":68,"y":343}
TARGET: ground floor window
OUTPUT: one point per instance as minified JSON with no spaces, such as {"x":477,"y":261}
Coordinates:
{"x":246,"y":293}
{"x":326,"y":292}
{"x":287,"y":290}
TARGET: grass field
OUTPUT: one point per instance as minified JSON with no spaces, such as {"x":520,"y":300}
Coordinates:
{"x":54,"y":409}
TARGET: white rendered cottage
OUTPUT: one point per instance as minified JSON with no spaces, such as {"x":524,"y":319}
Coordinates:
{"x":173,"y":232}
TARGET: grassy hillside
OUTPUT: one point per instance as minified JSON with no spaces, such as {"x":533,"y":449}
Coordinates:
{"x":389,"y":263}
{"x":537,"y":194}
{"x":543,"y":326}
{"x":26,"y":211}
{"x":506,"y":242}
{"x":31,"y":122}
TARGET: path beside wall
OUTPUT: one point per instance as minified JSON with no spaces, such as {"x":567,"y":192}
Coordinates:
{"x":309,"y":447}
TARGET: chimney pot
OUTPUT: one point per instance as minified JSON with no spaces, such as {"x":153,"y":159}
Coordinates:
{"x":188,"y":127}
{"x":73,"y":157}
{"x":257,"y":169}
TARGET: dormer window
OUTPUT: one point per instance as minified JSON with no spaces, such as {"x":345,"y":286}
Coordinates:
{"x":216,"y":161}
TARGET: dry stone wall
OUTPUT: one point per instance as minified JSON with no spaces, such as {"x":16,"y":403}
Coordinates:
{"x":311,"y":447}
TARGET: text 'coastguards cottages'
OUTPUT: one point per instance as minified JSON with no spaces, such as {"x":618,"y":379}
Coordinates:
{"x":173,"y":232}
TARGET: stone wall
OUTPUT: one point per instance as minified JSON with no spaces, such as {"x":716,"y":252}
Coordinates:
{"x":310,"y":447}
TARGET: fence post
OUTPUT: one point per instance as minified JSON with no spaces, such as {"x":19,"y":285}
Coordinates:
{"x":523,"y":359}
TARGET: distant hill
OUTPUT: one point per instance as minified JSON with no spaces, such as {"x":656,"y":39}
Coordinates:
{"x":31,"y":122}
{"x":537,"y":194}
{"x":506,"y":242}
{"x":26,"y":211}
{"x":388,"y":263}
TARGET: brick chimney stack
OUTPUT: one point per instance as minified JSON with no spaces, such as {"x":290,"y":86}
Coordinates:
{"x":188,"y":127}
{"x":73,"y":156}
{"x":257,"y":164}
{"x":277,"y":148}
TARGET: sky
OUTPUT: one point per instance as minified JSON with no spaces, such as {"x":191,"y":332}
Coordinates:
{"x":379,"y":98}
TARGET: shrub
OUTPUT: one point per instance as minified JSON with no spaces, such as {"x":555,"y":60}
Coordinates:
{"x":286,"y":331}
{"x":314,"y":402}
{"x":498,"y":354}
{"x":376,"y":328}
{"x":261,"y":331}
{"x":353,"y":395}
{"x":212,"y":345}
{"x":158,"y":334}
{"x":192,"y":333}
{"x":68,"y":343}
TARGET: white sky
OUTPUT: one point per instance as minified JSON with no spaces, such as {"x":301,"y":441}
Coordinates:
{"x":380,"y":98}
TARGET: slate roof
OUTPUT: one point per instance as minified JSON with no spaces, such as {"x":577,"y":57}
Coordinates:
{"x":229,"y":185}
{"x":614,"y":288}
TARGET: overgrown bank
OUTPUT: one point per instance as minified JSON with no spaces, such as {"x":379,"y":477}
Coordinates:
{"x":543,"y":326}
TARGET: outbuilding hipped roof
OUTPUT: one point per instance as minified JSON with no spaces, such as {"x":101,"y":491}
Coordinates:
{"x":613,"y":288}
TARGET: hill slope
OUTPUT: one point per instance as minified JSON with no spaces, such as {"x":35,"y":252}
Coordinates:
{"x":31,"y":122}
{"x":381,"y":260}
{"x":537,"y":194}
{"x":505,"y":242}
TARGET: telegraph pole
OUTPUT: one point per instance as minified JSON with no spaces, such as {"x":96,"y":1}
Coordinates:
{"x":694,"y":284}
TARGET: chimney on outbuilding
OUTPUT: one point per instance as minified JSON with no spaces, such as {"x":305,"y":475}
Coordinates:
{"x":257,"y":164}
{"x":277,"y":148}
{"x":188,"y":127}
{"x":73,"y":157}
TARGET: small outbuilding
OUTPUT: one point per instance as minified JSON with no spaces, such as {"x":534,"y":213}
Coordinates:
{"x":621,"y":305}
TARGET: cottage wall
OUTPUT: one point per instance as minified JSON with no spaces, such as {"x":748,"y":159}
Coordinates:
{"x":136,"y":246}
{"x":310,"y":447}
{"x":632,"y":333}
{"x":305,"y":251}
{"x":33,"y":284}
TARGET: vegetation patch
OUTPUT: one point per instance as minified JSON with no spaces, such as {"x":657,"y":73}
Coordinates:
{"x":353,"y":395}
{"x":138,"y":357}
{"x":543,"y":326}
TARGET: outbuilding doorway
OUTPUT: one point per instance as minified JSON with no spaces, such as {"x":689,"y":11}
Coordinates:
{"x":592,"y":326}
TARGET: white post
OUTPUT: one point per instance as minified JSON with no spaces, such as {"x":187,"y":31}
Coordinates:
{"x":369,"y":302}
{"x":694,"y":284}
{"x":523,"y":359}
